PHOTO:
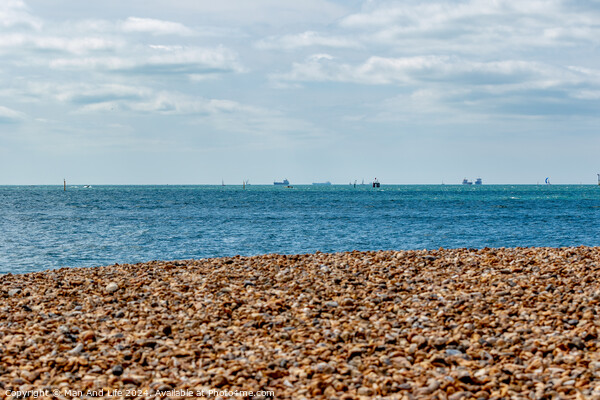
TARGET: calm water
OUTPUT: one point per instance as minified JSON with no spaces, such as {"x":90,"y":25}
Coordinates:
{"x":43,"y":227}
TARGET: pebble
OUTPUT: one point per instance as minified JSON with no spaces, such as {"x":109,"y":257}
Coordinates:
{"x":347,"y":302}
{"x":324,"y":368}
{"x":454,"y":324}
{"x":88,"y":336}
{"x":76,"y":350}
{"x":454,"y":352}
{"x":112,"y":287}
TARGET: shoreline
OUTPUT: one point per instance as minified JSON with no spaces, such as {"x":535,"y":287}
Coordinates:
{"x":455,"y":323}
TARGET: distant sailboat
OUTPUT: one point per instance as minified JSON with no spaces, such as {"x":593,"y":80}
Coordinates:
{"x":222,"y":182}
{"x":547,"y":181}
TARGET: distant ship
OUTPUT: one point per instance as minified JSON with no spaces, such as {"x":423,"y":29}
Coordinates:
{"x":322,"y":183}
{"x":478,"y":181}
{"x":285,"y":182}
{"x":466,"y":182}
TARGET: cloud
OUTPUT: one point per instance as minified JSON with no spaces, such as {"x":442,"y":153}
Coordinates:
{"x":74,"y":45}
{"x":406,"y":70}
{"x":587,"y":94}
{"x":437,"y":69}
{"x":127,"y":99}
{"x":9,"y":116}
{"x":85,"y":94}
{"x":470,"y":57}
{"x":306,"y":39}
{"x":111,"y":46}
{"x":155,"y":27}
{"x":473,"y":28}
{"x":158,"y":60}
{"x":435,"y":83}
{"x":474,"y":25}
{"x":263,"y":13}
{"x":15,"y":14}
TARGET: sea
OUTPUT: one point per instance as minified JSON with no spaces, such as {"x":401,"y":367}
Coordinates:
{"x":45,"y":227}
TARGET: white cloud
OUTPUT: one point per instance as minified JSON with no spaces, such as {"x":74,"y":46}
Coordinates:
{"x":474,"y":28}
{"x":263,"y":12}
{"x":8,"y":115}
{"x":107,"y":46}
{"x":89,"y":97}
{"x":474,"y":25}
{"x":158,"y":60}
{"x":454,"y":85}
{"x":306,"y":39}
{"x":74,"y":45}
{"x":587,"y":94}
{"x":155,"y":27}
{"x":436,"y":70}
{"x":84,"y":94}
{"x":14,"y":13}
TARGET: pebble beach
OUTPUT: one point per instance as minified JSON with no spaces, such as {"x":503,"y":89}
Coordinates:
{"x":439,"y":324}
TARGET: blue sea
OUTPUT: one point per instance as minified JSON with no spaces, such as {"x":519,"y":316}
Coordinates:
{"x":44,"y":227}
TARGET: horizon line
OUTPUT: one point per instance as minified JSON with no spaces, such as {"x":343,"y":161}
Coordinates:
{"x":294,"y":184}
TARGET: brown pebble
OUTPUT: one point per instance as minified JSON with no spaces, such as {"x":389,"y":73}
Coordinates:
{"x":456,"y":324}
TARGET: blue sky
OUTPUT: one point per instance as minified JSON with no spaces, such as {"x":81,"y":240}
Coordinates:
{"x":155,"y":91}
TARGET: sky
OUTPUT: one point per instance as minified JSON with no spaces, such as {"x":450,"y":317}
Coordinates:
{"x":199,"y":92}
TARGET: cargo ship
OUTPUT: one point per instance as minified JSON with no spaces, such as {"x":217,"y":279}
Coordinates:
{"x":285,"y":182}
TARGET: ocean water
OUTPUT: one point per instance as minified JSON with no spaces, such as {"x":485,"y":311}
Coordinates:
{"x":43,"y":227}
